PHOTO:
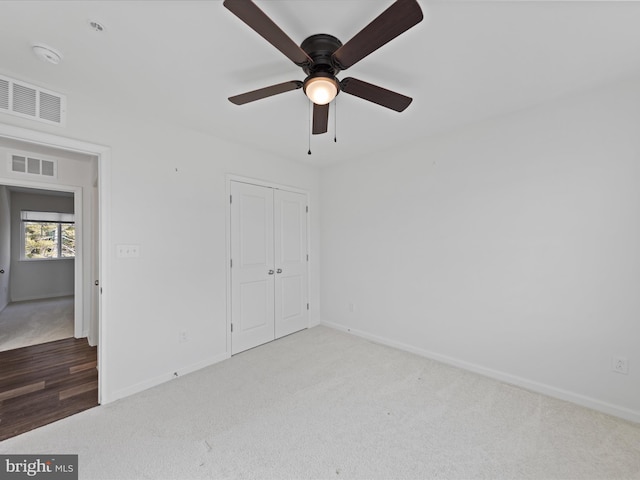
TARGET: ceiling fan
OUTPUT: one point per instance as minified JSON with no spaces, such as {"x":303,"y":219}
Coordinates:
{"x":323,"y":56}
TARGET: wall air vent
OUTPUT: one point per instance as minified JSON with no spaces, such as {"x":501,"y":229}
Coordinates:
{"x":33,"y":166}
{"x":29,"y":101}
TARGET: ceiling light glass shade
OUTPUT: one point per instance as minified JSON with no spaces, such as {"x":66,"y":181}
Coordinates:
{"x":321,"y":90}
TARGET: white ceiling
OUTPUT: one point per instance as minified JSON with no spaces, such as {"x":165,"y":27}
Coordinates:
{"x":465,"y":62}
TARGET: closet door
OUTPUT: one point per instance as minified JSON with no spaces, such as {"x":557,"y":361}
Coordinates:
{"x":252,"y":269}
{"x":268,"y":264}
{"x":290,"y":226}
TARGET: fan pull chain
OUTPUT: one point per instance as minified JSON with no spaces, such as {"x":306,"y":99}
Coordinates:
{"x":310,"y":127}
{"x":335,"y":120}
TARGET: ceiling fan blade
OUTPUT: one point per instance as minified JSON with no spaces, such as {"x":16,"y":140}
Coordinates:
{"x":250,"y":13}
{"x":320,"y":118}
{"x":265,"y":92}
{"x":397,"y":19}
{"x":373,"y":93}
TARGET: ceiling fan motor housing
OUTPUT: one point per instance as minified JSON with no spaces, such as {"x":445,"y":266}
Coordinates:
{"x":320,"y":48}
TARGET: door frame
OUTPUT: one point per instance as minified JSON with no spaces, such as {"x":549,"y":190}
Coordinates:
{"x":261,"y":183}
{"x":103,"y":154}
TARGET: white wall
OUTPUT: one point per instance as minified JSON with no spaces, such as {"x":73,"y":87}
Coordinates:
{"x":37,"y":279}
{"x":5,"y":246}
{"x":167,"y":194}
{"x":510,"y":247}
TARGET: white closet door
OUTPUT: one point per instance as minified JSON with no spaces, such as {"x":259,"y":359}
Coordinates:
{"x":290,"y":222}
{"x":252,"y":270}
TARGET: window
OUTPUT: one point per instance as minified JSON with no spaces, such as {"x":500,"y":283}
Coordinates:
{"x":48,"y":235}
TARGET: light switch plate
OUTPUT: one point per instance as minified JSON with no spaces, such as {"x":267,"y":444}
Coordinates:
{"x":128,"y":251}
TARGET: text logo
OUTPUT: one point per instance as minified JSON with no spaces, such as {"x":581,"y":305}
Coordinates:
{"x":50,"y":467}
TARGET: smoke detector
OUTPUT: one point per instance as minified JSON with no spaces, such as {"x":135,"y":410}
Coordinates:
{"x":47,"y":54}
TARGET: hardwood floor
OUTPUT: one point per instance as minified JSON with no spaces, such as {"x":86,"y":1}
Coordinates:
{"x":44,"y":383}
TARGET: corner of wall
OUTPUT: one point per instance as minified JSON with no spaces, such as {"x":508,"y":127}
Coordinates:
{"x":536,"y":387}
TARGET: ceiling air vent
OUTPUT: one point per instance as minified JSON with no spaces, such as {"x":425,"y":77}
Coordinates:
{"x":33,"y":166}
{"x":29,"y":101}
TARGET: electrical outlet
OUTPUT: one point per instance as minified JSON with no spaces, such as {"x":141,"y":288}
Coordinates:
{"x":182,"y":336}
{"x":620,"y":365}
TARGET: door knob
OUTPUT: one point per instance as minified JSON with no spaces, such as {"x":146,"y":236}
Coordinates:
{"x":270,"y":272}
{"x":279,"y":270}
{"x":2,"y":271}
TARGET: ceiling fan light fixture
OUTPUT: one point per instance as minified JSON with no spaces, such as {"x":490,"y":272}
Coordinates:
{"x":321,"y":89}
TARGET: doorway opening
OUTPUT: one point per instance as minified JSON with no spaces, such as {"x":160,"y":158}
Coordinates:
{"x":32,"y":278}
{"x":89,"y":273}
{"x":37,"y":266}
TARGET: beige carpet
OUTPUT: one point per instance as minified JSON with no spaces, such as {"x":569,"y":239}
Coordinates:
{"x":325,"y":404}
{"x":39,"y":321}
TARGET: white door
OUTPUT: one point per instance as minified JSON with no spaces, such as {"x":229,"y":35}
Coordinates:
{"x":252,"y":268}
{"x":290,"y":221}
{"x":268,"y":265}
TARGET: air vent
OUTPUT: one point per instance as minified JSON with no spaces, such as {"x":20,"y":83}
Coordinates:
{"x":29,"y":101}
{"x":50,"y":107}
{"x":33,"y":166}
{"x":4,"y":94}
{"x":24,"y":100}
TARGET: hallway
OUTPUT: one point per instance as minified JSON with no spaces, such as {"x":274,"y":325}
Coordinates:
{"x":44,"y":383}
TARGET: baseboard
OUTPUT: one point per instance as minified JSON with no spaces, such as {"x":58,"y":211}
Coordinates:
{"x":139,"y":387}
{"x":37,"y":297}
{"x":314,"y":323}
{"x":582,"y":400}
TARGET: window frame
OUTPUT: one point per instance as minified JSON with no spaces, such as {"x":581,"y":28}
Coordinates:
{"x":58,"y":218}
